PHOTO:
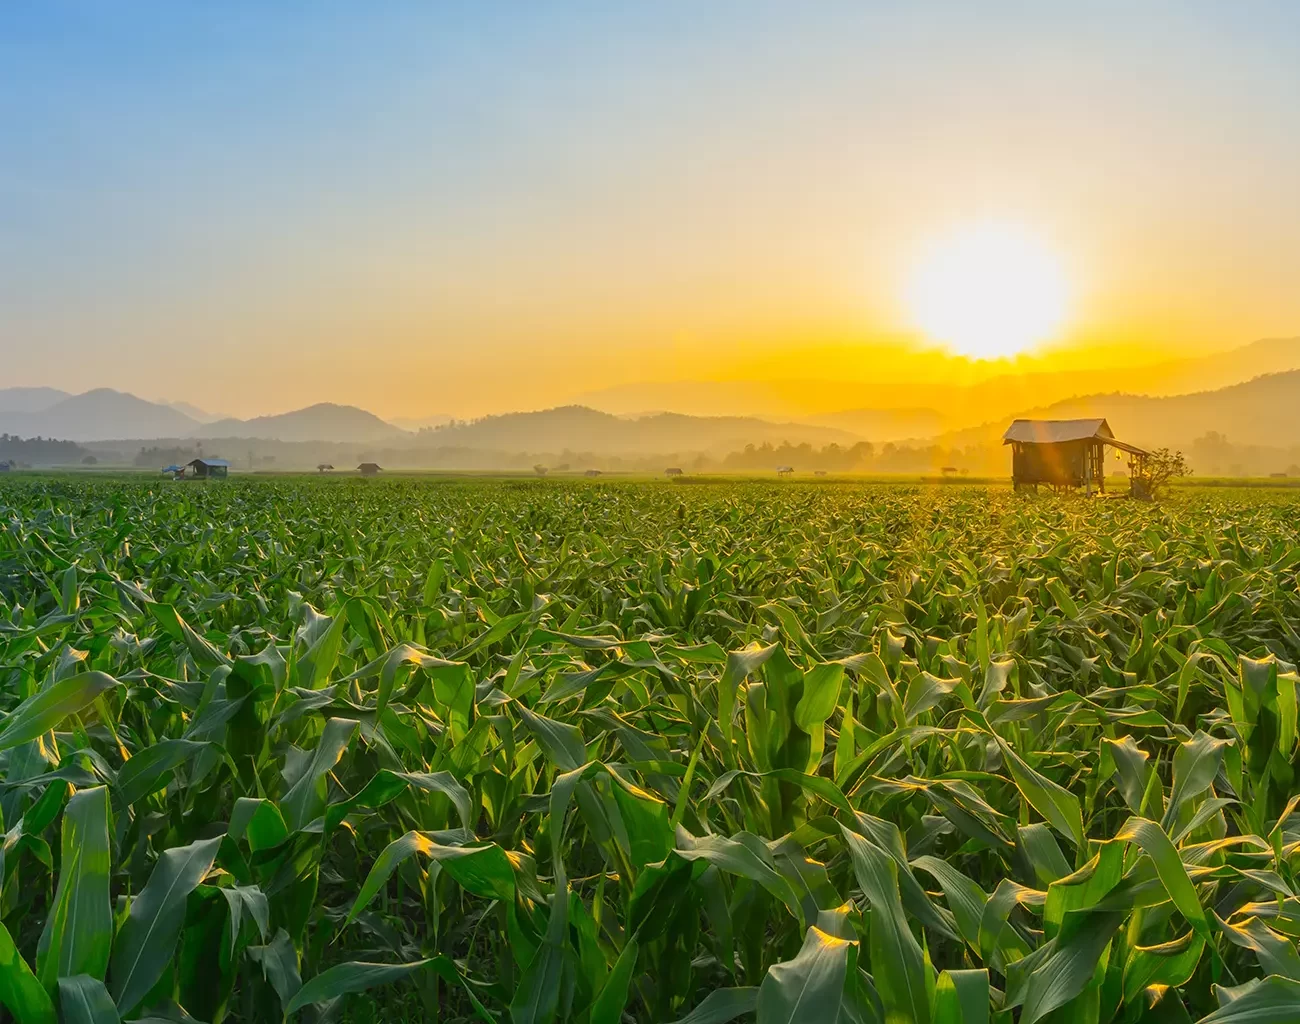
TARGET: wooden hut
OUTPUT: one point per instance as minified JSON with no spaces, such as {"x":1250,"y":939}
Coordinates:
{"x":591,"y":474}
{"x":369,"y":468}
{"x":785,"y":471}
{"x":1067,"y":454}
{"x":208,"y":469}
{"x":673,"y":471}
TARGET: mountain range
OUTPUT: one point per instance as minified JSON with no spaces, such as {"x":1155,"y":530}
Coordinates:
{"x":104,"y":414}
{"x":886,"y":407}
{"x":578,"y":428}
{"x":1249,"y":397}
{"x":1258,"y":412}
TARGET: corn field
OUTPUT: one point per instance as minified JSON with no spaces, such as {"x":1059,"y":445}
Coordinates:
{"x":535,"y":751}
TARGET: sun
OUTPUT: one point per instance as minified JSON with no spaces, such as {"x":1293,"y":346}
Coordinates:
{"x":988,"y":291}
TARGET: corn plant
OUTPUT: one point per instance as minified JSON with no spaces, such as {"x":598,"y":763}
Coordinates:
{"x":601,"y":752}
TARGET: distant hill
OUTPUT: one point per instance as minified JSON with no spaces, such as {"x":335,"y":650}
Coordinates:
{"x":105,"y":414}
{"x":891,"y":407}
{"x":30,"y":399}
{"x":577,"y":428}
{"x":1257,"y":412}
{"x":99,"y":415}
{"x":324,"y":421}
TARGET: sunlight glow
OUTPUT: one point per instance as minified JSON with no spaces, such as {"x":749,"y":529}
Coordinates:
{"x":989,"y":291}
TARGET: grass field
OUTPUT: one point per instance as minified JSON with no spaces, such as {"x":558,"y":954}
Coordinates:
{"x":530,"y":751}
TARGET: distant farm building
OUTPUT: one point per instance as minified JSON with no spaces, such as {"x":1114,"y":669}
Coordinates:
{"x":672,"y":471}
{"x":784,"y":470}
{"x":949,"y":470}
{"x":591,"y":474}
{"x":369,"y":468}
{"x":323,"y":467}
{"x":208,"y":469}
{"x":819,"y":472}
{"x":1068,"y":454}
{"x":5,"y":467}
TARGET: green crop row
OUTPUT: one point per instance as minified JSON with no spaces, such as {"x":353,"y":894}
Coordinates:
{"x":541,"y":751}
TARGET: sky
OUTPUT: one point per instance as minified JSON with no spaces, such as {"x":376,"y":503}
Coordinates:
{"x":464,"y":208}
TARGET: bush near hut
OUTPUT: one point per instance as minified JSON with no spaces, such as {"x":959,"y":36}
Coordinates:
{"x":1160,"y":469}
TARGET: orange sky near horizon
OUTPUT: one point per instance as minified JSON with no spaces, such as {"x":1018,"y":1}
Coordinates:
{"x":421,"y":210}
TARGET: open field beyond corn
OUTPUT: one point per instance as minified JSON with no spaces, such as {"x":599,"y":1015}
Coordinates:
{"x":533,"y":751}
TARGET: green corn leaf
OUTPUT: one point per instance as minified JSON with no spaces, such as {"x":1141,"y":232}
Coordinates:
{"x":349,"y":977}
{"x":1276,"y":953}
{"x":147,"y":939}
{"x":821,"y":693}
{"x":246,"y":897}
{"x":1271,"y":1000}
{"x":1131,"y":769}
{"x":722,"y":1005}
{"x":562,"y":743}
{"x":1170,"y":868}
{"x":483,"y":870}
{"x":809,"y":987}
{"x":279,"y":962}
{"x":85,"y":1000}
{"x":152,"y":768}
{"x":1070,"y":963}
{"x":902,"y":974}
{"x":1055,"y":803}
{"x":1169,"y":964}
{"x":961,"y":997}
{"x":1196,"y":763}
{"x":306,"y":798}
{"x":258,"y":821}
{"x":78,"y":933}
{"x":20,"y":993}
{"x":610,"y":1003}
{"x":47,"y":709}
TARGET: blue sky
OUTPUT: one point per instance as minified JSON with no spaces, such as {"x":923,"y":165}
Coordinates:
{"x":357,"y":202}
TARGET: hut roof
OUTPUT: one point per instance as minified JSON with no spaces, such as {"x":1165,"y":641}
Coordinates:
{"x":1056,"y":431}
{"x":210,"y":463}
{"x":1062,"y":431}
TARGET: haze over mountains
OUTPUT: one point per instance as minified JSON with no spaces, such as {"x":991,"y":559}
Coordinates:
{"x":1247,"y":394}
{"x":1258,"y":412}
{"x":886,"y":408}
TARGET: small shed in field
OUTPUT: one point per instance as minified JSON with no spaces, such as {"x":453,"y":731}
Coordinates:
{"x":1067,"y":454}
{"x":208,"y":469}
{"x":784,"y":470}
{"x":673,"y":471}
{"x":369,"y":468}
{"x":5,"y":467}
{"x":591,"y":474}
{"x":324,"y":467}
